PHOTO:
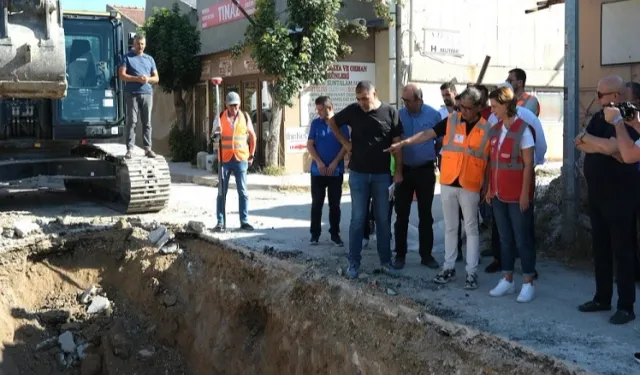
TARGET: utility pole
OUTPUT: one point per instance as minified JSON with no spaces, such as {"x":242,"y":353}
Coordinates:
{"x":399,"y":56}
{"x":570,"y":173}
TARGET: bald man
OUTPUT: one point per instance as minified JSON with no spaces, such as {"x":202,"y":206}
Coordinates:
{"x":612,"y":191}
{"x":419,"y":177}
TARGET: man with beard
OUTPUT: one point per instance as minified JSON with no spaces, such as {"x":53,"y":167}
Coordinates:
{"x":517,"y":79}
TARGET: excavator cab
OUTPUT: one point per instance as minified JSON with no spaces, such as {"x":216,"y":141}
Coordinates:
{"x":32,"y":53}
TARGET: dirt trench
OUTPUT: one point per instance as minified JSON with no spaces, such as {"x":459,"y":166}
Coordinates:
{"x":214,"y":310}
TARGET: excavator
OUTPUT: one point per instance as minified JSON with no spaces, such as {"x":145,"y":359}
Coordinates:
{"x":62,"y":106}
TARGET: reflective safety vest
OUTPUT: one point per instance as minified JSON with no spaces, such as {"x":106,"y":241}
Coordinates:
{"x":527,"y":101}
{"x":464,"y":157}
{"x":507,"y":165}
{"x":234,"y":138}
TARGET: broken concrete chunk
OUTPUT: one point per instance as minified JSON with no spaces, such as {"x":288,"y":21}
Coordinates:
{"x":171,"y":248}
{"x":24,"y":228}
{"x":197,"y":226}
{"x":144,"y":353}
{"x":159,"y":236}
{"x":91,"y":291}
{"x":66,"y":342}
{"x":98,"y":303}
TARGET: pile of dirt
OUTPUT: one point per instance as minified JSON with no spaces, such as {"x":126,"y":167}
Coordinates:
{"x":212,"y":309}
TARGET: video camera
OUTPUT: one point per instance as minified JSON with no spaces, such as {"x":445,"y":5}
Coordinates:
{"x":627,"y":109}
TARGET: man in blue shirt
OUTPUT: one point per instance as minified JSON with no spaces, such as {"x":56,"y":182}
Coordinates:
{"x":138,"y":70}
{"x":419,"y":177}
{"x":327,"y":170}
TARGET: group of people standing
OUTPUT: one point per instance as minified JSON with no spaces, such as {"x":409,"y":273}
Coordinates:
{"x":490,"y":144}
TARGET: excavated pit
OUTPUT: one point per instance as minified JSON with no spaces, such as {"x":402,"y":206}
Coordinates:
{"x":214,"y":309}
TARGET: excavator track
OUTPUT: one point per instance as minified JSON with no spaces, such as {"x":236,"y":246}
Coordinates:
{"x":141,"y":184}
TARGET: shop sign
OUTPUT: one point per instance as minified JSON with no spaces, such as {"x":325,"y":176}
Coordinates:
{"x":295,"y":140}
{"x":224,"y":12}
{"x":343,"y":77}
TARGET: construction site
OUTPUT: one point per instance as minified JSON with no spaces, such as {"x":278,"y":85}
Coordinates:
{"x":109,"y":265}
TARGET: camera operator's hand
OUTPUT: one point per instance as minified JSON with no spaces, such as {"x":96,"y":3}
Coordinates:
{"x":610,"y":114}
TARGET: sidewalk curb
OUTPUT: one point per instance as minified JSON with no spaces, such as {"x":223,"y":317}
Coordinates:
{"x":212,"y":181}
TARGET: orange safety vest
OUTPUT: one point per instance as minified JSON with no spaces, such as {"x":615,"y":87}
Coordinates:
{"x":507,"y":165}
{"x":234,"y":139}
{"x":464,"y":157}
{"x":525,"y":98}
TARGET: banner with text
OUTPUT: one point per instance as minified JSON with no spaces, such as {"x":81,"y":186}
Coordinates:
{"x":225,"y":11}
{"x":295,"y":140}
{"x":340,"y":86}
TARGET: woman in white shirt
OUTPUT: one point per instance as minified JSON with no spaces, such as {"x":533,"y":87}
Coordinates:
{"x":510,"y":192}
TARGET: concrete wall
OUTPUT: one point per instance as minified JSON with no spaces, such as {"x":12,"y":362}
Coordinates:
{"x":500,"y":29}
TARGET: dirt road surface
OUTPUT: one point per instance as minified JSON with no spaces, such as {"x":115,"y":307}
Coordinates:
{"x":550,"y":324}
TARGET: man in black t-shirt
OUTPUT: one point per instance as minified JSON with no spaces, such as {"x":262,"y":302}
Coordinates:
{"x":374,"y":126}
{"x":612,"y":198}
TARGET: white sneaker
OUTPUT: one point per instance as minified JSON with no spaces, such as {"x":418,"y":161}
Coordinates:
{"x":503,"y":288}
{"x":526,"y":293}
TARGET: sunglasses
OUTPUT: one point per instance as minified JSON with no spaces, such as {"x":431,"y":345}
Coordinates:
{"x":603,"y":94}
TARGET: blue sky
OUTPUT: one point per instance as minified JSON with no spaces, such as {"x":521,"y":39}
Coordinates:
{"x":98,"y":5}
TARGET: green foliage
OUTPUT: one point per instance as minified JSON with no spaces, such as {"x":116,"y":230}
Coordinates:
{"x":300,"y":50}
{"x":174,"y":43}
{"x":182,"y":144}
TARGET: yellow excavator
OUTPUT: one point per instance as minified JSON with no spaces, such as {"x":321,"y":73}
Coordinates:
{"x":62,"y":109}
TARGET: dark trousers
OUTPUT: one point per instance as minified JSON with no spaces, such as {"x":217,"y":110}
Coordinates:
{"x":612,"y":237}
{"x":420,"y":180}
{"x":322,"y":186}
{"x":138,"y":105}
{"x":370,"y":219}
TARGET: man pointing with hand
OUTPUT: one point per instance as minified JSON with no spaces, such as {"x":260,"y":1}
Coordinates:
{"x":374,"y":127}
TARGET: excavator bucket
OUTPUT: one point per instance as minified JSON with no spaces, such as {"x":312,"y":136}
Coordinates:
{"x":32,"y":50}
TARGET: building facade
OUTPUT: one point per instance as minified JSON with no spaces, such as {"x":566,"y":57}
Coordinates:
{"x":222,"y":26}
{"x":448,"y":41}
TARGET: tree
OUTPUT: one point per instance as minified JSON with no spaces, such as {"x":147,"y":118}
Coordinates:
{"x":296,"y":52}
{"x":174,"y":43}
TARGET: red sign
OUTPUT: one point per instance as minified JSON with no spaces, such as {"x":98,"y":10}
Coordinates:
{"x":225,"y":11}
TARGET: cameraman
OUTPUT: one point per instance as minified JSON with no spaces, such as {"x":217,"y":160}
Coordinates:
{"x":612,"y":190}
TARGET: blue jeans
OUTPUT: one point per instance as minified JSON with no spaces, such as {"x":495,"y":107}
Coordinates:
{"x":362,"y":186}
{"x":514,"y":227}
{"x":239,"y":170}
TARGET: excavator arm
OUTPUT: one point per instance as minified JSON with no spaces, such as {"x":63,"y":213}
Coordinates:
{"x":32,"y":50}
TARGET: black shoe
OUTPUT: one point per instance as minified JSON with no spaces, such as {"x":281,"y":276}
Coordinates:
{"x":444,"y":276}
{"x":594,"y":306}
{"x":246,"y":226}
{"x":622,"y":317}
{"x":218,"y":228}
{"x":314,"y":240}
{"x":398,"y":263}
{"x":430,"y":262}
{"x":148,"y":153}
{"x":337,"y":240}
{"x":494,"y":267}
{"x":471,"y":282}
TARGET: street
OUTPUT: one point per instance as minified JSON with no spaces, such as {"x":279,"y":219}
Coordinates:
{"x":550,"y":324}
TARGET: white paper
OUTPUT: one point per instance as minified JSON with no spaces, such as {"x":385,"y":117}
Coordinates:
{"x":107,"y":102}
{"x":392,"y":188}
